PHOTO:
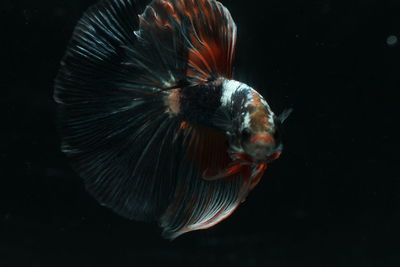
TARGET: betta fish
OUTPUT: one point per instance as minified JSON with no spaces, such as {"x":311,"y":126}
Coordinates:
{"x":152,"y":119}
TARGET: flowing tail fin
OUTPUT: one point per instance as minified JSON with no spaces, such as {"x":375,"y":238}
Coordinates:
{"x":118,"y":128}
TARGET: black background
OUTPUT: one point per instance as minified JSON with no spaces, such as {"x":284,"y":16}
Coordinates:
{"x":333,"y":199}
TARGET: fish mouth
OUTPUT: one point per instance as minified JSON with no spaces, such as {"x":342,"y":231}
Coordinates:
{"x":246,"y":159}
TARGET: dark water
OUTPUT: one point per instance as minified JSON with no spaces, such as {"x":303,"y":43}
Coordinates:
{"x":333,"y":199}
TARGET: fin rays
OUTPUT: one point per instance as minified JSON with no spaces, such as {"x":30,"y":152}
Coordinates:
{"x":133,"y":155}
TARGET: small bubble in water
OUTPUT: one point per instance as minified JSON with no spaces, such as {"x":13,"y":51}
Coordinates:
{"x":392,"y":40}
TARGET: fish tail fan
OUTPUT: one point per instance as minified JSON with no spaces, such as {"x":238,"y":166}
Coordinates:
{"x":113,"y":121}
{"x":119,"y":117}
{"x":200,"y":202}
{"x":200,"y":205}
{"x":95,"y":52}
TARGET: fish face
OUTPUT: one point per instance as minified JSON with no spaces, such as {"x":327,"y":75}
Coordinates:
{"x":258,"y":130}
{"x":262,"y":147}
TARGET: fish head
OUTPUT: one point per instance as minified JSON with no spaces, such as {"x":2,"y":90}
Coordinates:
{"x":262,"y":147}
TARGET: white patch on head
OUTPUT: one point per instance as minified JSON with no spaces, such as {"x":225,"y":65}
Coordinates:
{"x":264,"y":102}
{"x":271,"y":120}
{"x":246,"y":121}
{"x":271,"y":116}
{"x":270,"y":112}
{"x":229,"y":88}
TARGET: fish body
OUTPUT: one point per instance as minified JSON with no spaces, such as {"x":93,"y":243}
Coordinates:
{"x":151,"y":116}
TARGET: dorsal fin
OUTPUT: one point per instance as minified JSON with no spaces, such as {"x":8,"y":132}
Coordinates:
{"x":204,"y":29}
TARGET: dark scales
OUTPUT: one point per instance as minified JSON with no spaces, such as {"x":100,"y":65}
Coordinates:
{"x":199,"y":103}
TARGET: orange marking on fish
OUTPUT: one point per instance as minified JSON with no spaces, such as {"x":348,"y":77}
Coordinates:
{"x":171,"y":11}
{"x":257,"y":100}
{"x":243,"y":157}
{"x":262,"y":138}
{"x":259,"y":117}
{"x":207,"y":55}
{"x":257,"y":178}
{"x":167,"y":25}
{"x":234,"y":169}
{"x":184,"y":125}
{"x":262,"y":167}
{"x":168,"y":7}
{"x":231,"y":170}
